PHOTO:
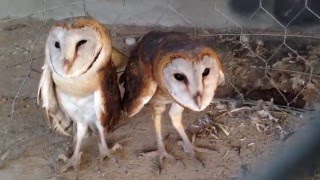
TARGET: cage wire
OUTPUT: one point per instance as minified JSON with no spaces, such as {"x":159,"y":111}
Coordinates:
{"x":239,"y":38}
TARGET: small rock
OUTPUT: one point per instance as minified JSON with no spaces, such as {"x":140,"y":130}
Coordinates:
{"x":130,"y":41}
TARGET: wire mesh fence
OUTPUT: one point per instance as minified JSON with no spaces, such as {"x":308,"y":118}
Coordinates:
{"x":265,"y":55}
{"x":271,"y":61}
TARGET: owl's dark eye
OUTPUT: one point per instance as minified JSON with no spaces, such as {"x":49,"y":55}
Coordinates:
{"x":81,"y":42}
{"x":57,"y":45}
{"x":206,"y":72}
{"x":180,"y":77}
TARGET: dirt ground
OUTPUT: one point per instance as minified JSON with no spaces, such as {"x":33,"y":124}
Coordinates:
{"x":32,"y":148}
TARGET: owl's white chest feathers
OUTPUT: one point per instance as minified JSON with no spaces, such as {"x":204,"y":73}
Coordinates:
{"x":80,"y":109}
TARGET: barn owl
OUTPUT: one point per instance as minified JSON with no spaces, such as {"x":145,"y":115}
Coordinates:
{"x":79,"y":82}
{"x":170,"y":68}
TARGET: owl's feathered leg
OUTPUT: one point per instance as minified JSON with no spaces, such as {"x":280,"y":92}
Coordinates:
{"x":103,"y":148}
{"x":74,"y":161}
{"x":157,"y":116}
{"x":71,"y":146}
{"x":100,"y":110}
{"x":175,"y":114}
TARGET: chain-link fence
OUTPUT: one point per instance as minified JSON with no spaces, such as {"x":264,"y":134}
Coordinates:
{"x":273,"y":44}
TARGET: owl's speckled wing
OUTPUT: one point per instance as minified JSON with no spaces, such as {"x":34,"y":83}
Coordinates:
{"x":57,"y":119}
{"x":138,"y":83}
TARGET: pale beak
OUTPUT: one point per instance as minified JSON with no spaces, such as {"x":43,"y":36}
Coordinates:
{"x":67,"y":64}
{"x":198,"y":100}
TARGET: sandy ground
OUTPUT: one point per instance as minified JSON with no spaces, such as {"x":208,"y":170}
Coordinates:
{"x":35,"y":148}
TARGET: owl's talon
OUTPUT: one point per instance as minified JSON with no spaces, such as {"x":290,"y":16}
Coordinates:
{"x":74,"y":162}
{"x":187,"y":147}
{"x":103,"y":156}
{"x":163,"y":154}
{"x":63,"y":158}
{"x":104,"y":152}
{"x":191,"y":149}
{"x":116,"y":147}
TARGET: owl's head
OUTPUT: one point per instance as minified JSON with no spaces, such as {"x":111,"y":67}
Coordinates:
{"x":75,"y":45}
{"x":191,"y":76}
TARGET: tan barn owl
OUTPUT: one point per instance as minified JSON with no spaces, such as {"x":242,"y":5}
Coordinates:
{"x":79,"y":82}
{"x":170,"y":68}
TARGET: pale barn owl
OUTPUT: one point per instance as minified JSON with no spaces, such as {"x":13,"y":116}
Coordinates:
{"x":170,"y":68}
{"x":79,"y":82}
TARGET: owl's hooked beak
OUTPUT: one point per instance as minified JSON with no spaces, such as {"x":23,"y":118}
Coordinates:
{"x":198,"y":99}
{"x":67,"y":64}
